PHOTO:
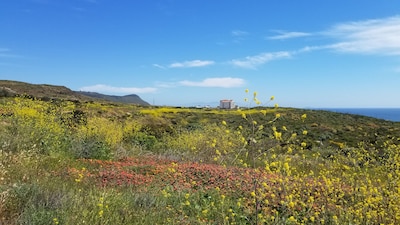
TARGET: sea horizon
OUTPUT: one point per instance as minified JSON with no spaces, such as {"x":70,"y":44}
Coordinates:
{"x":390,"y":114}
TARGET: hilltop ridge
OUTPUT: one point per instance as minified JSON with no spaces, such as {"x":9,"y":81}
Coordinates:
{"x":9,"y":88}
{"x":132,"y":98}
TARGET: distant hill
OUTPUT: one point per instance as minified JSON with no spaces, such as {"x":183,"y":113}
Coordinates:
{"x":10,"y":88}
{"x":123,"y":99}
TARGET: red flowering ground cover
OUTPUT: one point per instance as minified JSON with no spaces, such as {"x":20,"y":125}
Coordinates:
{"x":145,"y":171}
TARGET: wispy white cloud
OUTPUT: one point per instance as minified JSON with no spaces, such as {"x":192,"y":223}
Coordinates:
{"x":287,"y":35}
{"x":378,"y":36}
{"x":193,"y":63}
{"x":252,"y":62}
{"x":159,"y":66}
{"x":239,"y":33}
{"x":222,"y":82}
{"x":101,"y":88}
{"x":312,"y":48}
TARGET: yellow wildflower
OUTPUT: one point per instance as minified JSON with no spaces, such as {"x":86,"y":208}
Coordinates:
{"x":292,"y":219}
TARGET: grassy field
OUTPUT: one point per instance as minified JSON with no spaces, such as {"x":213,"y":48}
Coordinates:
{"x":71,"y":162}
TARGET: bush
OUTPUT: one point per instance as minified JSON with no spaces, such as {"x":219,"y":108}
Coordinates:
{"x":32,"y":126}
{"x":142,"y":139}
{"x":91,"y":147}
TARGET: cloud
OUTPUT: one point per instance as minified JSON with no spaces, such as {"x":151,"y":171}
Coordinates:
{"x":158,"y":66}
{"x":239,"y":33}
{"x":312,"y":48}
{"x":378,"y":36}
{"x":222,"y":82}
{"x":287,"y":35}
{"x":101,"y":88}
{"x":193,"y":63}
{"x":252,"y":62}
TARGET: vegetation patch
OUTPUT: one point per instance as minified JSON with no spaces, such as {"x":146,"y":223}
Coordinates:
{"x":73,"y":162}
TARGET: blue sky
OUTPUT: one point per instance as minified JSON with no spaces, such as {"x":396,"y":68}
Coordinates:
{"x":308,"y":53}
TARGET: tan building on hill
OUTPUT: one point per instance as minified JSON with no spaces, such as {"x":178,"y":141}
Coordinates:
{"x":226,"y":104}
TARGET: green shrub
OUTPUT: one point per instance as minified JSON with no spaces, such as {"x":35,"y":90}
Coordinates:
{"x":91,"y":147}
{"x":142,"y":139}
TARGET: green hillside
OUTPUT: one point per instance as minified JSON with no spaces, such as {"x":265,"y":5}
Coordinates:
{"x":98,"y":162}
{"x":48,"y":92}
{"x":134,"y":99}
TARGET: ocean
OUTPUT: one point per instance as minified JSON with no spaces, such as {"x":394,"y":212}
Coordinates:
{"x":391,"y":114}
